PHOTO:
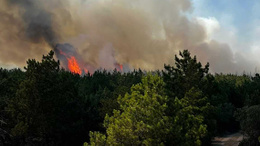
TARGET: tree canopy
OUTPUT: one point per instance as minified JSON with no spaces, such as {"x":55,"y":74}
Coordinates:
{"x":183,"y":104}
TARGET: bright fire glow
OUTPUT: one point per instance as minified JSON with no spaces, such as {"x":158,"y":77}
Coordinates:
{"x":121,"y":67}
{"x":73,"y":65}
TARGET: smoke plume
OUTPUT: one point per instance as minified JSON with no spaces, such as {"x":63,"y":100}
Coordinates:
{"x":108,"y":33}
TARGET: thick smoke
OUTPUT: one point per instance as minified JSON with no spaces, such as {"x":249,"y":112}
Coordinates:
{"x":18,"y":40}
{"x":65,"y":52}
{"x":37,"y":21}
{"x":142,"y":34}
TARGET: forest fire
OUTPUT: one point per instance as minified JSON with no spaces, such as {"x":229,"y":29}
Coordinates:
{"x":73,"y":65}
{"x":69,"y":58}
{"x":119,"y":67}
{"x":72,"y":61}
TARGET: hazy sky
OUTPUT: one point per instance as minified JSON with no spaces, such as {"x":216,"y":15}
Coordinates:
{"x":139,"y":33}
{"x":239,"y":21}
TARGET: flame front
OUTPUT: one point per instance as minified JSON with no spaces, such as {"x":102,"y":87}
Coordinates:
{"x":121,"y":67}
{"x":72,"y":61}
{"x":73,"y":65}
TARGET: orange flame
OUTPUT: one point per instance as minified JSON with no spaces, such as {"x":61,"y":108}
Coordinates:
{"x":73,"y":65}
{"x":121,"y":67}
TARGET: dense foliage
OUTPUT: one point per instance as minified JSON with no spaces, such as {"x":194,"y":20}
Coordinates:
{"x":182,"y":105}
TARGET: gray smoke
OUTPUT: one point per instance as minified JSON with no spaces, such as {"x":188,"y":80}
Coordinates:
{"x":140,"y":34}
{"x":38,"y":23}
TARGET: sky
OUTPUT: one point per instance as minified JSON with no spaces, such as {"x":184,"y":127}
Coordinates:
{"x":238,"y":21}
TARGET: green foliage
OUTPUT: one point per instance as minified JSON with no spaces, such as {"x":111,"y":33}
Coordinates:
{"x":46,"y":105}
{"x":249,"y":118}
{"x":230,"y":93}
{"x":9,"y":83}
{"x":231,"y":88}
{"x":253,"y":97}
{"x":189,"y":118}
{"x":189,"y":74}
{"x":30,"y":107}
{"x":186,"y":74}
{"x":141,"y":119}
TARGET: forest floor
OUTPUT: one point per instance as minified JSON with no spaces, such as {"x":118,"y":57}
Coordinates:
{"x":228,"y":140}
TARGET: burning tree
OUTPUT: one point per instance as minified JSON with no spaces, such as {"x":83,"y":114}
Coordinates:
{"x":70,"y":59}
